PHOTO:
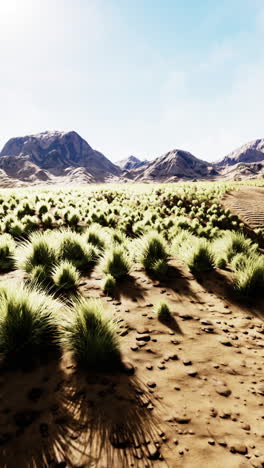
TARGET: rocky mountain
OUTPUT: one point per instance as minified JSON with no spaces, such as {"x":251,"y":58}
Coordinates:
{"x":132,"y":162}
{"x":66,"y":158}
{"x":249,"y":153}
{"x":50,"y":155}
{"x":173,"y":166}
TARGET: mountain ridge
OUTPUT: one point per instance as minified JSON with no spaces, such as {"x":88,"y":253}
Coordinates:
{"x":65,"y":157}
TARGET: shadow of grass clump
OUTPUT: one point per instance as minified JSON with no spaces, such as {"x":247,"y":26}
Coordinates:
{"x":51,"y":418}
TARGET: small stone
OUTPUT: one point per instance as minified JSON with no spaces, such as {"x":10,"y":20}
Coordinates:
{"x":211,"y":442}
{"x":151,"y":384}
{"x":223,"y":390}
{"x":238,"y":448}
{"x":153,"y":452}
{"x":246,"y":427}
{"x":143,"y":338}
{"x":134,"y":348}
{"x":192,"y":372}
{"x":187,"y":362}
{"x":225,"y":342}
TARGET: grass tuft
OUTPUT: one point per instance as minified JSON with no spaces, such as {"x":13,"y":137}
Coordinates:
{"x":92,"y":338}
{"x":116,"y":263}
{"x":109,"y":284}
{"x":28,"y":326}
{"x":65,"y":276}
{"x":163,"y":312}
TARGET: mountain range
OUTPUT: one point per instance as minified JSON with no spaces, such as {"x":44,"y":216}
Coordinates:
{"x":54,"y":157}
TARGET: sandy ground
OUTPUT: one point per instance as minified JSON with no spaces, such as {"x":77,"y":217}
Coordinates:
{"x":195,"y":399}
{"x":248,"y":204}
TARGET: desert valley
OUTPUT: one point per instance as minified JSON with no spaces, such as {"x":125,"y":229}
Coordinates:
{"x":131,"y":307}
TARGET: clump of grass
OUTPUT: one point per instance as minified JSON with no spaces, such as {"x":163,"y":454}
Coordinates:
{"x":249,"y":276}
{"x":72,"y":247}
{"x":27,"y":322}
{"x":163,"y":312}
{"x":65,"y":276}
{"x":153,"y":252}
{"x":109,"y":284}
{"x":40,"y":249}
{"x":40,"y":276}
{"x":197,"y":254}
{"x":7,"y":251}
{"x":95,"y":237}
{"x":116,"y":263}
{"x":17,"y":229}
{"x":92,"y":338}
{"x":160,"y":269}
{"x":231,"y":244}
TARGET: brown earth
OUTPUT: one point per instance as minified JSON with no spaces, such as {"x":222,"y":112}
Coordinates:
{"x":248,"y":204}
{"x":196,"y":398}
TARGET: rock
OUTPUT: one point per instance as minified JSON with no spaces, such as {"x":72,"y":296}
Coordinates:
{"x":151,"y":384}
{"x":260,"y":389}
{"x":143,"y":338}
{"x":153,"y":452}
{"x":134,"y":348}
{"x":246,"y":427}
{"x":225,"y":342}
{"x":192,"y":372}
{"x":187,"y":362}
{"x":118,"y":440}
{"x":180,"y":419}
{"x":149,"y":367}
{"x":238,"y":447}
{"x":223,"y":390}
{"x":211,"y":442}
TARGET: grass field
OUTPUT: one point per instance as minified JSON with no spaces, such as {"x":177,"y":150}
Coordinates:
{"x":91,"y":278}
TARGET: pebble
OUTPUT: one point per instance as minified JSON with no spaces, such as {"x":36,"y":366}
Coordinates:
{"x":223,"y":390}
{"x":151,"y":384}
{"x":238,"y":448}
{"x":143,"y":338}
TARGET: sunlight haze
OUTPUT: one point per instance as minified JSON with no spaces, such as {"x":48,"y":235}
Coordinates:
{"x":139,"y":77}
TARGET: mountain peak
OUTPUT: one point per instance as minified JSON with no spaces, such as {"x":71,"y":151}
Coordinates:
{"x":251,"y":152}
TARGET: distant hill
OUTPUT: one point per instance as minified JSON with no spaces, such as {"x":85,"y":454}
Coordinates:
{"x":131,"y":162}
{"x":248,"y":153}
{"x":49,"y":155}
{"x":54,"y":157}
{"x":174,"y":165}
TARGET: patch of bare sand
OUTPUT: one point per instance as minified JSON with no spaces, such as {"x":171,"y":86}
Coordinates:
{"x":196,"y":397}
{"x":248,"y":204}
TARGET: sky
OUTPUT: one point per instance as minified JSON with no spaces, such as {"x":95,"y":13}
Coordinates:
{"x":137,"y":77}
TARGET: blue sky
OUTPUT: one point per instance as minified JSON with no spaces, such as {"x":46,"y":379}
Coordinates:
{"x":134,"y":77}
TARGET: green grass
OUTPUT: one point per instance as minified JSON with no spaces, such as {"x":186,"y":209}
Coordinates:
{"x":28,"y":324}
{"x":230,"y":244}
{"x":195,"y":252}
{"x":163,"y":312}
{"x":39,"y":250}
{"x":73,"y":247}
{"x":153,"y":252}
{"x":92,"y":338}
{"x":7,"y":251}
{"x":65,"y":276}
{"x":109,"y":284}
{"x":115,"y":262}
{"x":249,"y":276}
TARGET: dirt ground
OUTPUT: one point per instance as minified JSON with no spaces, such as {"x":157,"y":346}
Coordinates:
{"x":248,"y":204}
{"x":192,"y":396}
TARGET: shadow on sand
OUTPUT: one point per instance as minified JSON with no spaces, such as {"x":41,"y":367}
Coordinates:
{"x":55,"y":418}
{"x":220,"y":284}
